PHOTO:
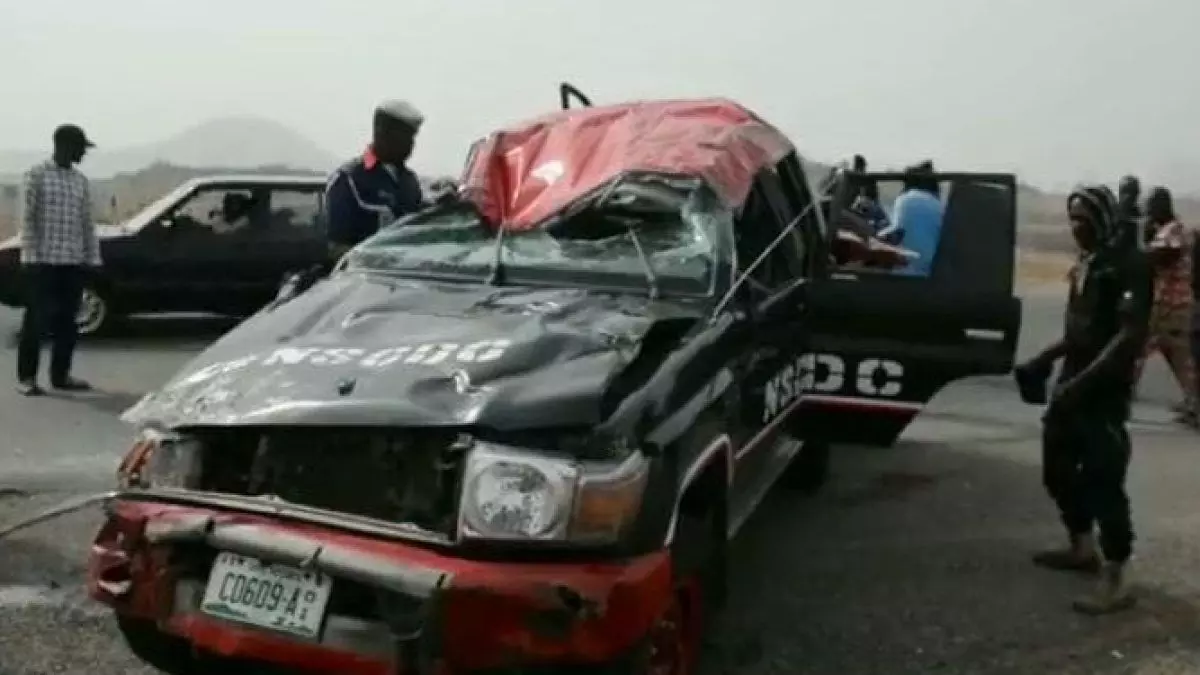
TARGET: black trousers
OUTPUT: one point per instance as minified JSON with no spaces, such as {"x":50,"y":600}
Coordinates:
{"x":52,"y":301}
{"x":1085,"y":457}
{"x":1196,"y":350}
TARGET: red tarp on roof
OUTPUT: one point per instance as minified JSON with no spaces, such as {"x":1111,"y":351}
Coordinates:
{"x":524,"y":174}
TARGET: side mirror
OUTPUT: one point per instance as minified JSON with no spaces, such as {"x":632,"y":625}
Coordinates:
{"x":166,"y":224}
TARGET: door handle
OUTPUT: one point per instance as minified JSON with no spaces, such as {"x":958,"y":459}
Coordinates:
{"x":984,"y":334}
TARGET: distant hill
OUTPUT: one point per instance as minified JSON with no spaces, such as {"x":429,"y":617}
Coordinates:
{"x":235,"y":142}
{"x":125,"y":179}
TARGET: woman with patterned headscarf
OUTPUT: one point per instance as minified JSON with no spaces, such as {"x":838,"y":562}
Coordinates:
{"x":1085,"y":443}
{"x":1170,"y":250}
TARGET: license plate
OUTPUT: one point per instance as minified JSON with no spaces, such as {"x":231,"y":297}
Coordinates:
{"x":276,"y":597}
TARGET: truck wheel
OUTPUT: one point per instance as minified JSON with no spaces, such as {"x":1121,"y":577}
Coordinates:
{"x":699,"y":562}
{"x":675,"y":641}
{"x":162,"y":651}
{"x":809,"y":469}
{"x":883,"y":433}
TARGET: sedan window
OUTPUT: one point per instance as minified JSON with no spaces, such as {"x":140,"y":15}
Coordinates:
{"x":219,"y":211}
{"x":296,"y":211}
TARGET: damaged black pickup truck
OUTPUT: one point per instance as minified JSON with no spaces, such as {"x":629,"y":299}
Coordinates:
{"x":514,"y":430}
{"x":510,"y":433}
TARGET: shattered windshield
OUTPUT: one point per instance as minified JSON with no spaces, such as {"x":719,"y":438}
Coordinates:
{"x":650,"y":236}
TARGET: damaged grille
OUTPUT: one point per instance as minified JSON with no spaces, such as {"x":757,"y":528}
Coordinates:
{"x":407,"y":477}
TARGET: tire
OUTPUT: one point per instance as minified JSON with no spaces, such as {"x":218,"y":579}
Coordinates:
{"x":95,"y":316}
{"x":95,"y":313}
{"x":674,"y":644}
{"x":883,"y":433}
{"x":808,"y":471}
{"x":699,"y":562}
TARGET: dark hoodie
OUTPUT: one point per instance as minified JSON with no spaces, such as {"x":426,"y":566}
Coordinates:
{"x":1102,"y":208}
{"x":1111,"y":282}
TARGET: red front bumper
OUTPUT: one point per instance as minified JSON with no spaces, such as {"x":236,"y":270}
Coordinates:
{"x":492,"y":614}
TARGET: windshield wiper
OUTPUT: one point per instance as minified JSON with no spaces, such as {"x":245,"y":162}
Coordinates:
{"x":651,"y":277}
{"x":495,"y":277}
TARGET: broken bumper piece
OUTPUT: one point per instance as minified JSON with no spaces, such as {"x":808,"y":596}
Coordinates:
{"x":390,"y":607}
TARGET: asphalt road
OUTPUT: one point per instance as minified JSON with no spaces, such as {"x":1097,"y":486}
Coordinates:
{"x":914,"y":560}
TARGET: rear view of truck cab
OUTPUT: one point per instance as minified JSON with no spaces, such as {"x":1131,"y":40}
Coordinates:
{"x":885,"y":342}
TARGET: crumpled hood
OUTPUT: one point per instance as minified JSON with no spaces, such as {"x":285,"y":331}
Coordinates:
{"x":370,"y":351}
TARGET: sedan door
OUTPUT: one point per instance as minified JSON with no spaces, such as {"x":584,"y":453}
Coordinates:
{"x":208,"y":256}
{"x":291,"y":238}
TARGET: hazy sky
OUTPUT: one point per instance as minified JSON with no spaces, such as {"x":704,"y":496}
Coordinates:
{"x":1058,"y":89}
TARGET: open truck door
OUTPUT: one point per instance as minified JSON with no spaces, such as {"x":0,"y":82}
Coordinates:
{"x":884,"y":344}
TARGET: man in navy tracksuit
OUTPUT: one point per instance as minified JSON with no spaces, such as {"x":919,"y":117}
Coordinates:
{"x":376,"y":188}
{"x":368,"y":192}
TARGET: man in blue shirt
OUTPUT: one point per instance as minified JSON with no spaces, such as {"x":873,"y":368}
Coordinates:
{"x":917,"y":213}
{"x":377,"y":188}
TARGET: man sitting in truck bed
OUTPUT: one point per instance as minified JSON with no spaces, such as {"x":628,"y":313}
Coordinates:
{"x":866,"y":205}
{"x":855,"y":242}
{"x":918,"y":213}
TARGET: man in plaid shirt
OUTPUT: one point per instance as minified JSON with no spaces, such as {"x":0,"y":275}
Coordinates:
{"x":58,"y":247}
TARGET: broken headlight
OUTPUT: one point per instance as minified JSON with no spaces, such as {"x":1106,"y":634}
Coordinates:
{"x":515,"y":494}
{"x":160,"y":460}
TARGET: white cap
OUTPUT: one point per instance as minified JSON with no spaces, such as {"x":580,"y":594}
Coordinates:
{"x":401,"y":111}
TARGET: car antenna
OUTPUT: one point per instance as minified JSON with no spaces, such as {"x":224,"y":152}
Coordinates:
{"x":496,"y":276}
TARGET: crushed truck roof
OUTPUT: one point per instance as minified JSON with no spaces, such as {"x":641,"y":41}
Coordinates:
{"x":522,"y":175}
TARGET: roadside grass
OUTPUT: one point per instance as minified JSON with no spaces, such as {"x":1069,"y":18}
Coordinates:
{"x":1043,"y":267}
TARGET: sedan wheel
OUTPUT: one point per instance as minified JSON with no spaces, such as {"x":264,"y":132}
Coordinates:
{"x":93,"y":312}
